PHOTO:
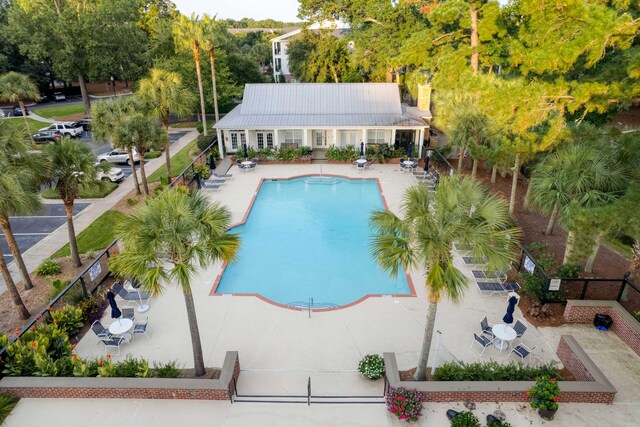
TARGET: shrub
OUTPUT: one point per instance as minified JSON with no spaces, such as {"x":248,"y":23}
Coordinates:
{"x":545,"y":394}
{"x":44,"y":351}
{"x":56,"y":286}
{"x":372,"y":366}
{"x":404,"y":404}
{"x":152,"y":155}
{"x":132,"y":368}
{"x":7,"y":403}
{"x":167,"y":370}
{"x":200,"y":128}
{"x":569,"y":271}
{"x":492,"y":371}
{"x":90,"y":309}
{"x":204,"y":141}
{"x":48,"y":268}
{"x":498,"y":424}
{"x":201,"y":170}
{"x":343,"y":154}
{"x":69,"y":319}
{"x":465,"y":419}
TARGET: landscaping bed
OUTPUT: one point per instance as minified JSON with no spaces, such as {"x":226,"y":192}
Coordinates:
{"x":86,"y":192}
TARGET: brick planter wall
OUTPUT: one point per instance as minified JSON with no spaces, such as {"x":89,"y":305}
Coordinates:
{"x":624,"y":324}
{"x":128,"y":388}
{"x":596,"y":390}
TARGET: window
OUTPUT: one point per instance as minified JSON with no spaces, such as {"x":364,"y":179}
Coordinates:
{"x":378,"y":136}
{"x":276,"y":48}
{"x":348,"y":137}
{"x":269,"y":140}
{"x":260,"y":137}
{"x":293,"y":136}
{"x":278,"y":65}
{"x":243,"y":138}
{"x":234,"y":141}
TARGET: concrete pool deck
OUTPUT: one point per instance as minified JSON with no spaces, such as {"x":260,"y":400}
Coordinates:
{"x":280,"y":348}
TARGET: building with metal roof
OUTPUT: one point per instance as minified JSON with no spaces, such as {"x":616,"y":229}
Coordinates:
{"x":319,"y":115}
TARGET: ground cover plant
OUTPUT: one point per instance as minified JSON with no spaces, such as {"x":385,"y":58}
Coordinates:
{"x":48,"y":267}
{"x":7,"y":403}
{"x":371,"y":366}
{"x":465,"y":419}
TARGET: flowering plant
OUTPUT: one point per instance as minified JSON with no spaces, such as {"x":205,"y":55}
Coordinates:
{"x":371,"y":366}
{"x":545,"y":394}
{"x":404,"y":404}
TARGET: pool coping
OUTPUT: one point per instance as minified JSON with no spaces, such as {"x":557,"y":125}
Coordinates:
{"x":216,"y":282}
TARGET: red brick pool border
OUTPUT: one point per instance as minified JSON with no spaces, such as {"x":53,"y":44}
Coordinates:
{"x":358,"y":301}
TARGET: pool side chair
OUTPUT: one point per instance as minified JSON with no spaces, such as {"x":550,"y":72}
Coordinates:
{"x":100,"y":331}
{"x":461,"y":248}
{"x":360,"y":167}
{"x":481,"y":341}
{"x":488,"y":276}
{"x":223,"y":175}
{"x":520,"y":329}
{"x":207,"y":185}
{"x":523,"y":352}
{"x":486,"y":328}
{"x":487,"y":289}
{"x":137,"y":297}
{"x":128,"y":313}
{"x":113,"y":342}
{"x":511,"y":286}
{"x":468,"y":260}
{"x":141,"y":328}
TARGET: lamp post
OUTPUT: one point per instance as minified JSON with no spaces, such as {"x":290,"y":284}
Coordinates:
{"x":113,"y":85}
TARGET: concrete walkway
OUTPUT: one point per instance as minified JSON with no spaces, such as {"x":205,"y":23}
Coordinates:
{"x":57,"y":239}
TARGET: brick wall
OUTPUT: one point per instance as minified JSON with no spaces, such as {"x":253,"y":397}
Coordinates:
{"x":128,"y":388}
{"x":572,"y":363}
{"x":624,"y":325}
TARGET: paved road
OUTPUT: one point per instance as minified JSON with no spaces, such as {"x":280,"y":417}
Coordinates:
{"x":29,"y":230}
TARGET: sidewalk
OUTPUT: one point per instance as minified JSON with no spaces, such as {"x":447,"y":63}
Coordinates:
{"x":58,"y":238}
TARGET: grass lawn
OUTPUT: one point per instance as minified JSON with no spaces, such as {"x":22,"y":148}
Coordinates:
{"x":86,"y":192}
{"x":18,"y":122}
{"x":185,"y":125}
{"x":96,"y":236}
{"x":61,"y":111}
{"x":179,"y":161}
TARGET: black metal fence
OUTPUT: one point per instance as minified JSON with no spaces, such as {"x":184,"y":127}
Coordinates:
{"x":560,"y":289}
{"x":439,"y":158}
{"x":87,"y":283}
{"x":189,"y":176}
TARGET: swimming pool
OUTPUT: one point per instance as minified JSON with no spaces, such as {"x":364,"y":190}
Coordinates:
{"x":308,"y":237}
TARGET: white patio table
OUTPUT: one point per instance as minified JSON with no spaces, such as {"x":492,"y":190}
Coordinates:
{"x":504,"y":335}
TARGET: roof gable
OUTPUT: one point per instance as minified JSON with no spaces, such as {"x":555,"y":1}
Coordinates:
{"x":321,"y":99}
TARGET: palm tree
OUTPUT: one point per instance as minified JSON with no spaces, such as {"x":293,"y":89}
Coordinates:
{"x":180,"y":231}
{"x":188,"y":34}
{"x":571,"y":179}
{"x":164,"y":94}
{"x":107,"y":120}
{"x":17,"y":88}
{"x":208,"y":43}
{"x":13,"y":291}
{"x":460,"y":210}
{"x":19,"y":175}
{"x":72,"y":165}
{"x":142,"y":133}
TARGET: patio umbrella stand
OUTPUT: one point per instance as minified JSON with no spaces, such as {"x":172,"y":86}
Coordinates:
{"x":508,"y":318}
{"x":115,"y":311}
{"x":246,"y":151}
{"x":361,"y":149}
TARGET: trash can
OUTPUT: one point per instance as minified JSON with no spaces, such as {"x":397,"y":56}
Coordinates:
{"x":602,"y":321}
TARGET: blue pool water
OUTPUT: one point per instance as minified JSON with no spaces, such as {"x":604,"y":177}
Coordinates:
{"x":309,"y":238}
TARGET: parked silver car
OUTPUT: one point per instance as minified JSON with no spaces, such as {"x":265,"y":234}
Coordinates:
{"x":118,"y":155}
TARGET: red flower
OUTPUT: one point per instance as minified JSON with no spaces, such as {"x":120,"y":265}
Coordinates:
{"x":555,"y":399}
{"x":108,"y":356}
{"x":55,"y":322}
{"x":526,"y":394}
{"x":34,"y":344}
{"x":100,"y":362}
{"x":73,"y":356}
{"x":553,"y":379}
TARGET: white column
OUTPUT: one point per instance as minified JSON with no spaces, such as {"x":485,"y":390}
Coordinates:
{"x":335,"y":137}
{"x":220,"y":143}
{"x":420,"y":142}
{"x":305,"y":137}
{"x":393,"y":137}
{"x":276,"y":142}
{"x":246,"y":135}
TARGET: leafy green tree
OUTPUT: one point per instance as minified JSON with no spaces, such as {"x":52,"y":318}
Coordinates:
{"x":460,"y":211}
{"x":213,"y":31}
{"x":143,"y":133}
{"x":188,"y":34}
{"x":471,"y":130}
{"x":319,"y":57}
{"x":108,"y":119}
{"x":167,"y":239}
{"x":164,"y":94}
{"x":72,"y":165}
{"x":18,"y":88}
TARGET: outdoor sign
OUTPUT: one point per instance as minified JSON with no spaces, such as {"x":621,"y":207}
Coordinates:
{"x":94,"y":271}
{"x":554,"y":284}
{"x":528,"y":264}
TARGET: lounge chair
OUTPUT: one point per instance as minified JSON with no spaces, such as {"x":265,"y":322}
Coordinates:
{"x":486,"y":329}
{"x":473,"y":260}
{"x":135,"y":297}
{"x":141,"y":328}
{"x":523,"y":352}
{"x":462,"y":248}
{"x":489,"y":276}
{"x":223,"y":175}
{"x":100,"y":331}
{"x":482,"y":341}
{"x":489,"y":288}
{"x":511,"y":286}
{"x":206,"y":185}
{"x":113,"y":342}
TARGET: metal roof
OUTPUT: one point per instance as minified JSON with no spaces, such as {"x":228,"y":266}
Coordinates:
{"x":319,"y":104}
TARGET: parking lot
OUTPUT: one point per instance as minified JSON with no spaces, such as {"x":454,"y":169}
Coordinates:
{"x":30,"y":229}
